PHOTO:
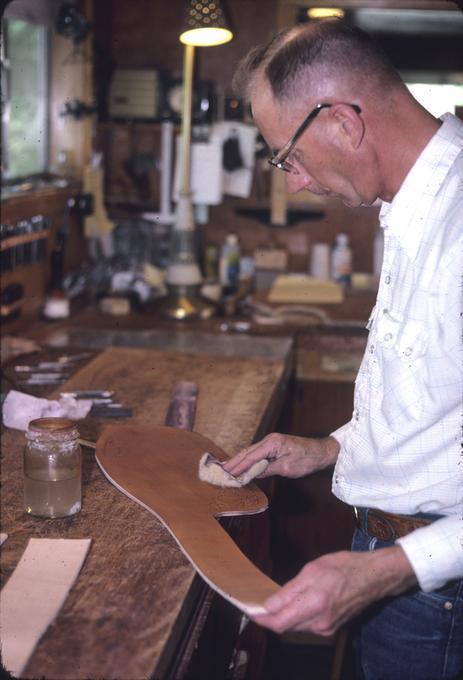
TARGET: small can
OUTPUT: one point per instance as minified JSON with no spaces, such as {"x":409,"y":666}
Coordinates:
{"x":52,"y":468}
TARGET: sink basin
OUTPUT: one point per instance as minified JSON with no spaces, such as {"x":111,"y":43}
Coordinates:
{"x":204,"y":343}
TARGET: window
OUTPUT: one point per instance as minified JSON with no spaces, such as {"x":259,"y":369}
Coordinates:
{"x":24,"y":98}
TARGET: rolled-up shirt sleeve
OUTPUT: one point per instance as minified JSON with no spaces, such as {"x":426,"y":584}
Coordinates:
{"x":436,"y":552}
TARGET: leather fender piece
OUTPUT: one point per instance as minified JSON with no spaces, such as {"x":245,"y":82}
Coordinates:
{"x":157,"y":467}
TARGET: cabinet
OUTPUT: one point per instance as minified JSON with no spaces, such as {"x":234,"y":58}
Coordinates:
{"x":218,"y":646}
{"x":307,"y":519}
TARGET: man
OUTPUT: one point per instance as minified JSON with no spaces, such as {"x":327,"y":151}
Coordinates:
{"x":359,"y":135}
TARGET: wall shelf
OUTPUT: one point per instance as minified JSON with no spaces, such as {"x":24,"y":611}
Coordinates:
{"x":13,"y":241}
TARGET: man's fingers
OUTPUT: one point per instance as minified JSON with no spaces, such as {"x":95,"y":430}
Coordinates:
{"x":286,"y":612}
{"x":245,"y":459}
{"x":330,"y":590}
{"x":299,"y":605}
{"x":273,"y":447}
{"x":239,"y":463}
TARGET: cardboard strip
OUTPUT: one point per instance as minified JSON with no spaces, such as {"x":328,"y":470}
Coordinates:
{"x":34,"y":594}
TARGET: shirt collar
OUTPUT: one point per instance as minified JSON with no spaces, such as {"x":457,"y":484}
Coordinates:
{"x":425,"y":178}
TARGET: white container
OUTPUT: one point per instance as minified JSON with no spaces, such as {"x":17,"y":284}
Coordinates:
{"x":341,"y":261}
{"x":229,"y":265}
{"x":320,"y":261}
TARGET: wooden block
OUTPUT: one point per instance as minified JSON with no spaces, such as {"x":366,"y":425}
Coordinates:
{"x":299,"y":288}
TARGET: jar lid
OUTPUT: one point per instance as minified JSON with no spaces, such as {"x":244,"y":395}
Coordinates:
{"x":51,"y":424}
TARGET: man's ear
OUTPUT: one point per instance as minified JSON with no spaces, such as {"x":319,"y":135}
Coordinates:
{"x":350,"y":123}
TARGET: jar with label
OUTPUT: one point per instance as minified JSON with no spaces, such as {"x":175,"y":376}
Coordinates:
{"x":52,"y":468}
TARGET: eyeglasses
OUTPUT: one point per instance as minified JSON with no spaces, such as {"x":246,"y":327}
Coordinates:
{"x":278,"y":160}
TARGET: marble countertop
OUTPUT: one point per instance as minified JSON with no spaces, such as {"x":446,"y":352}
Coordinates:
{"x":272,"y":348}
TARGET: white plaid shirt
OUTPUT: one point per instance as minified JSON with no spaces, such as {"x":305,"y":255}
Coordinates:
{"x":402,"y":450}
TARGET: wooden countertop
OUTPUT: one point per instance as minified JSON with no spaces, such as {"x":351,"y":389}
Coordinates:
{"x":323,"y":352}
{"x":136,"y":592}
{"x":353,"y":312}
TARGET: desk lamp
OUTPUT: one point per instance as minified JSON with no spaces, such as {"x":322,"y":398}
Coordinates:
{"x":205,"y":25}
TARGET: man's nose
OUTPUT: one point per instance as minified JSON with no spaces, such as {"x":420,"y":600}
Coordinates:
{"x":297,"y":181}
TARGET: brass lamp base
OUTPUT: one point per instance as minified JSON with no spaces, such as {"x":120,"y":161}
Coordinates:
{"x":184,"y":302}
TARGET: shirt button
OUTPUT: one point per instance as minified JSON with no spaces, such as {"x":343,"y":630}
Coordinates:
{"x":388,"y":336}
{"x":408,"y":351}
{"x":387,"y":279}
{"x":372,"y":349}
{"x":448,"y":605}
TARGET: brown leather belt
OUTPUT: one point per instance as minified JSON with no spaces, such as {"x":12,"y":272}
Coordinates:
{"x":385,"y":526}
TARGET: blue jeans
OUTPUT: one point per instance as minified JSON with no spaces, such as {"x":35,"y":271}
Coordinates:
{"x":416,"y":636}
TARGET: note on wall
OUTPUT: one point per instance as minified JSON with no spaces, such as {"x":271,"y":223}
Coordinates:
{"x":206,"y":172}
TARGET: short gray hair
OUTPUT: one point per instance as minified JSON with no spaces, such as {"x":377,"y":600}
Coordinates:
{"x":331,"y":44}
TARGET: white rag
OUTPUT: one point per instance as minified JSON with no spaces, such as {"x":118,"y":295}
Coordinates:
{"x":19,"y":409}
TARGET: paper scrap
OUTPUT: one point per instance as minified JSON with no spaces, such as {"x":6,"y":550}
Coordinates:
{"x":34,"y":594}
{"x":205,"y":173}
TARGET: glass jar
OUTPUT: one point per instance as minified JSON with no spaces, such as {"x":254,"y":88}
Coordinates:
{"x":52,"y":468}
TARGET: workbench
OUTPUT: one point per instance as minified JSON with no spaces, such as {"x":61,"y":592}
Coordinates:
{"x":138,"y":610}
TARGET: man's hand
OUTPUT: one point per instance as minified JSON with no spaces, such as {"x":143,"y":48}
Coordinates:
{"x":332,"y":589}
{"x":288,"y":456}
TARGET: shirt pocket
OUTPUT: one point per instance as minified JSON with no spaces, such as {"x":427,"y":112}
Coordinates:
{"x":412,"y":342}
{"x":402,"y":349}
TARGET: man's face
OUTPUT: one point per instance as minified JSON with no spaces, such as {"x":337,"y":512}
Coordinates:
{"x":325,"y":160}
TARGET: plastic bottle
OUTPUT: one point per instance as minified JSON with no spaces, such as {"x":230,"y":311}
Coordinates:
{"x":341,"y":261}
{"x":230,"y":263}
